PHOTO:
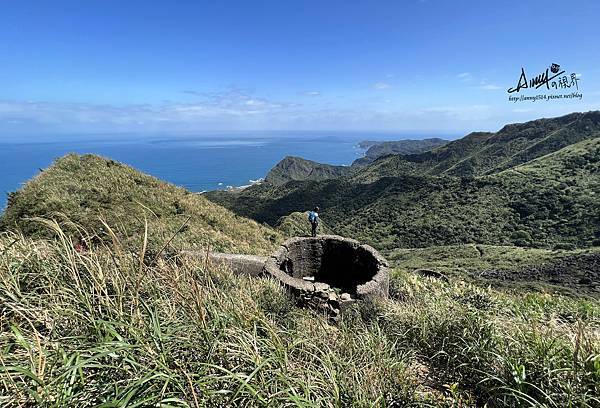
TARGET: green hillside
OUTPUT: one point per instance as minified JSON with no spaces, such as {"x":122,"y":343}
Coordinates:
{"x":100,"y":327}
{"x":89,"y":191}
{"x":483,"y":153}
{"x":297,"y":168}
{"x":552,"y":201}
{"x":580,"y":160}
{"x":292,"y":168}
{"x":296,"y":225}
{"x":571,"y":272}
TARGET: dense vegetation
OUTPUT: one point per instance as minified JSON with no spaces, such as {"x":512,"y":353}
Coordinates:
{"x":571,"y":272}
{"x":292,"y":168}
{"x":102,"y":328}
{"x":482,"y":153}
{"x":551,"y":202}
{"x":92,"y":191}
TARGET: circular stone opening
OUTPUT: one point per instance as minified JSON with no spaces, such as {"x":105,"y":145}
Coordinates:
{"x":330,"y":267}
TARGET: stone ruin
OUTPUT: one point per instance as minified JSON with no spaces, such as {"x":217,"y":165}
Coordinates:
{"x":327,"y":273}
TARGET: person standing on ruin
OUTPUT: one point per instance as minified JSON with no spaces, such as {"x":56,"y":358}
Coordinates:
{"x":313,"y":218}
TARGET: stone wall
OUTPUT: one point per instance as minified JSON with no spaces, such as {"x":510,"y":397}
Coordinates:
{"x":328,"y":272}
{"x":241,"y":264}
{"x":251,"y":265}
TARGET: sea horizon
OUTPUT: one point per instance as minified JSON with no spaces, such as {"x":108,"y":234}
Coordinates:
{"x":199,"y":161}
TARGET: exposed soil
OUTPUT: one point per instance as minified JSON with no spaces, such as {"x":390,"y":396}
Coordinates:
{"x":578,"y":274}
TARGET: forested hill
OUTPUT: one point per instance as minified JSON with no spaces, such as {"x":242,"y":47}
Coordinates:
{"x":550,"y":201}
{"x":483,"y":153}
{"x":292,"y":168}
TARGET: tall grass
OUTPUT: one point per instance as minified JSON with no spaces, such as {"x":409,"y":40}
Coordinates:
{"x":104,"y":328}
{"x":505,"y":350}
{"x":109,"y":327}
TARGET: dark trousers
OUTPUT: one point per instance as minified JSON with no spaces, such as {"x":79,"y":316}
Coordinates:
{"x":314,"y":226}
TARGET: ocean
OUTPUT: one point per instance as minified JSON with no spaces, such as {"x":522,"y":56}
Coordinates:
{"x":199,"y":162}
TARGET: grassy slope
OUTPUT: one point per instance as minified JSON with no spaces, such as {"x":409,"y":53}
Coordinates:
{"x":296,"y":225}
{"x":509,"y":267}
{"x":380,"y":149}
{"x":552,"y":201}
{"x":99,"y":327}
{"x":296,"y":168}
{"x":103,"y":327}
{"x":486,"y":153}
{"x":580,"y":161}
{"x":89,"y":188}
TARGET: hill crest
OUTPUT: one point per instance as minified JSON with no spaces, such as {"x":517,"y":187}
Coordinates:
{"x":89,"y":189}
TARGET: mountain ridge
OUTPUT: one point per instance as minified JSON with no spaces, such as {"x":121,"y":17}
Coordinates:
{"x":397,"y":202}
{"x":481,"y":153}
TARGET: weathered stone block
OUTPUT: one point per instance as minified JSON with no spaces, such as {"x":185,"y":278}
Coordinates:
{"x":240,"y":264}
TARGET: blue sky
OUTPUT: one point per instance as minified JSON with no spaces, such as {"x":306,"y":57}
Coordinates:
{"x":158,"y":66}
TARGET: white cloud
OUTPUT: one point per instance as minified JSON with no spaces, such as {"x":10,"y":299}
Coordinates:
{"x":224,"y":107}
{"x":235,"y":108}
{"x":483,"y":83}
{"x":382,"y":85}
{"x":311,"y":93}
{"x":232,"y":98}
